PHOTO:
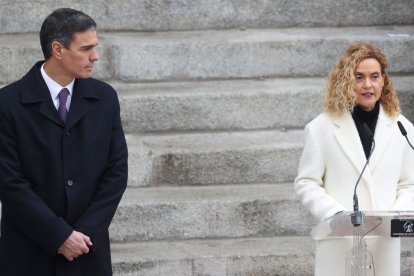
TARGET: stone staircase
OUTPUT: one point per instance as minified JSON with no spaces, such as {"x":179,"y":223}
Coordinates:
{"x":214,"y":97}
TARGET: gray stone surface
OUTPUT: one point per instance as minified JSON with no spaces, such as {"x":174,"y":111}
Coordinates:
{"x":231,"y":105}
{"x":251,"y":53}
{"x":175,"y":213}
{"x":194,"y":55}
{"x":156,"y":15}
{"x":18,"y":54}
{"x":405,"y":92}
{"x":215,"y":158}
{"x":251,"y":256}
{"x":219,"y":105}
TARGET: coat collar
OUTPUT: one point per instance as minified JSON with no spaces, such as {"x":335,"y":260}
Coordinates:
{"x":34,"y":90}
{"x":348,"y":139}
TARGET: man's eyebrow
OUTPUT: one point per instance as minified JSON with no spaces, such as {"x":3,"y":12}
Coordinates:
{"x":87,"y":46}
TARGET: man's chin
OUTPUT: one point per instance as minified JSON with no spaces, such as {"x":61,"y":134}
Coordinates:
{"x":84,"y":75}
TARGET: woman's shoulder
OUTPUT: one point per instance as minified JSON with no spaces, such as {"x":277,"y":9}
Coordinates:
{"x":322,"y":119}
{"x":404,"y":119}
{"x":407,"y":124}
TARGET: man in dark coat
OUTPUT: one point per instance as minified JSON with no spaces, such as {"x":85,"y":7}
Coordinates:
{"x":63,"y":159}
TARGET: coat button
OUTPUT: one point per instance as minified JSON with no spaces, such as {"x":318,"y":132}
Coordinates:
{"x":67,"y":132}
{"x":70,"y":183}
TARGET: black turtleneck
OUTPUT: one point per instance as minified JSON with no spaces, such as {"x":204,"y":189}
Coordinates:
{"x":370,"y":118}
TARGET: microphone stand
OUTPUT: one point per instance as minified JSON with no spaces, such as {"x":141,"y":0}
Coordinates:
{"x":359,"y":253}
{"x":357,"y":217}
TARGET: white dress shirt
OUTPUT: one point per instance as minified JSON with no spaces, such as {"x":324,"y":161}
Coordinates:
{"x":55,"y":88}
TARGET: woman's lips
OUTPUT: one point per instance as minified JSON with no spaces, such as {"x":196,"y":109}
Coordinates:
{"x":367,"y":94}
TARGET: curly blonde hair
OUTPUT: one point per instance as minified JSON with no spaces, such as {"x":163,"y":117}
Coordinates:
{"x":340,"y":96}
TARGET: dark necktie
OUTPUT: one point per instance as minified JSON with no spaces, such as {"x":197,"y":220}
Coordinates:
{"x":63,"y":96}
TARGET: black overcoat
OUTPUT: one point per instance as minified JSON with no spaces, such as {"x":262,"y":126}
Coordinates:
{"x":57,"y":177}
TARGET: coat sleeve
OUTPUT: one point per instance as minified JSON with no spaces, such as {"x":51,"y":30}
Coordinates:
{"x":20,"y":204}
{"x":98,"y":216}
{"x":309,"y":184}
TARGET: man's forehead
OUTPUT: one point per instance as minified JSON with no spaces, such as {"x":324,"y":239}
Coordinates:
{"x":87,"y":37}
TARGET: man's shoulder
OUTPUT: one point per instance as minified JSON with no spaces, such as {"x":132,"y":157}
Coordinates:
{"x":10,"y":89}
{"x":101,"y":87}
{"x":96,"y":83}
{"x":27,"y":80}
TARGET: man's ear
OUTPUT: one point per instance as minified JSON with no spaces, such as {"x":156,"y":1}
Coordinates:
{"x":57,"y":48}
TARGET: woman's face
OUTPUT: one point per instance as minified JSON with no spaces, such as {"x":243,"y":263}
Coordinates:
{"x":369,"y":83}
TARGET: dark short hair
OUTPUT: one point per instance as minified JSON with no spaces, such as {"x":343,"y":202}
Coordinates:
{"x":60,"y":26}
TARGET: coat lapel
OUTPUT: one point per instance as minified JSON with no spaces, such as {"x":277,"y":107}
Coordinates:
{"x":82,"y":100}
{"x":348,"y":139}
{"x":51,"y":113}
{"x":34,"y":90}
{"x":383,"y":136}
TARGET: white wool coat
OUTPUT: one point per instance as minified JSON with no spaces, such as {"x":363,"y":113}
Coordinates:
{"x":332,"y":160}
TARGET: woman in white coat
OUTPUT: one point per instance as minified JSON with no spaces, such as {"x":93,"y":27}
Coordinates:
{"x":337,"y":145}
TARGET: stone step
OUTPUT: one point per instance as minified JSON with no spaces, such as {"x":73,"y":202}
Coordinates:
{"x":285,"y":256}
{"x":219,"y":105}
{"x":214,"y":158}
{"x":195,"y":55}
{"x":231,"y":105}
{"x":228,"y":211}
{"x":158,"y":15}
{"x":249,"y":256}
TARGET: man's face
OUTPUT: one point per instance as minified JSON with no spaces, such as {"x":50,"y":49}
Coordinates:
{"x":78,"y":59}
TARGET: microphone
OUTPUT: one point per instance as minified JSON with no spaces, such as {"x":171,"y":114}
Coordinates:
{"x":357,"y":217}
{"x":404,"y":133}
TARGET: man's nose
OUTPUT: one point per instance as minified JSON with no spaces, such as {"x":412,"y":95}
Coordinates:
{"x":94,"y":55}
